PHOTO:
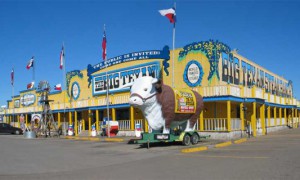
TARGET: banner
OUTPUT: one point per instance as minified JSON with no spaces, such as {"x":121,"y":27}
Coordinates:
{"x":135,"y":56}
{"x":185,"y":101}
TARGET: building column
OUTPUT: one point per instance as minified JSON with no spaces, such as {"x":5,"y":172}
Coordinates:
{"x":242,"y":116}
{"x":90,"y":122}
{"x":201,"y":121}
{"x":146,"y":125}
{"x":228,"y":116}
{"x":113,"y":112}
{"x":298,"y":117}
{"x":132,"y":118}
{"x":293,"y":122}
{"x":18,"y":120}
{"x":70,"y":118}
{"x":285,"y":118}
{"x":253,"y":119}
{"x":262,"y":119}
{"x":58,"y":120}
{"x":26,"y":120}
{"x":97,"y":120}
{"x":275,"y":116}
{"x":280,"y":116}
{"x":76,"y":123}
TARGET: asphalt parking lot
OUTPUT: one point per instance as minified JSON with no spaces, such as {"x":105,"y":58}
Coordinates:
{"x":275,"y":156}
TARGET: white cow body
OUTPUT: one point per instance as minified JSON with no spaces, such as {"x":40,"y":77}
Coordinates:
{"x":150,"y":108}
{"x":143,"y":95}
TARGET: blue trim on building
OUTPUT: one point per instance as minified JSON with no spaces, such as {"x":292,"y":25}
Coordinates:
{"x":281,"y":105}
{"x":27,"y":90}
{"x":126,"y":105}
{"x":233,"y":98}
{"x":55,"y":92}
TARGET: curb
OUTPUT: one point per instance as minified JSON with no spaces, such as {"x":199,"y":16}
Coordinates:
{"x":224,"y":144}
{"x":114,"y":140}
{"x":239,"y":141}
{"x":95,"y":139}
{"x":220,"y":145}
{"x":196,"y":149}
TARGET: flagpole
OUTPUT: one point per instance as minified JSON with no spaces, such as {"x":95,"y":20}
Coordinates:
{"x":13,"y":102}
{"x":33,"y":70}
{"x":64,"y":92}
{"x":173,"y":61}
{"x":107,"y":85}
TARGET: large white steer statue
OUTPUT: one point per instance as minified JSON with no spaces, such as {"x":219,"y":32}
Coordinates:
{"x":160,"y":106}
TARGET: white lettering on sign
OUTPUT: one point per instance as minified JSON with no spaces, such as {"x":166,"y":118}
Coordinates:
{"x":193,"y":73}
{"x":117,"y":79}
{"x":27,"y":99}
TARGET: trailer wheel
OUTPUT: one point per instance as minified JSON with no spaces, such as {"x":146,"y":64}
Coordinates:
{"x":195,"y":138}
{"x":186,"y":140}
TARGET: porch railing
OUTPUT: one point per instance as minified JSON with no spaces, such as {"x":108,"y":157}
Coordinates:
{"x":236,"y":124}
{"x":125,"y":125}
{"x":215,"y":124}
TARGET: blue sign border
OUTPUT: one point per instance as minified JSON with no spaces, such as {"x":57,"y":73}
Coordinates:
{"x":141,"y":55}
{"x":185,"y":77}
{"x":34,"y":99}
{"x":73,"y":84}
{"x":158,"y":74}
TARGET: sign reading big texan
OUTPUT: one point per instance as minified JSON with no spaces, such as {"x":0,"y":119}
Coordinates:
{"x":163,"y":54}
{"x":118,"y":78}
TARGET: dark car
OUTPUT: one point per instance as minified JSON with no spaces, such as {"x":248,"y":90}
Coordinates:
{"x":8,"y":129}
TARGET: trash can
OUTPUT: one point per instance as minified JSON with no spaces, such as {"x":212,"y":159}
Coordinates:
{"x":70,"y":130}
{"x":29,"y":134}
{"x":94,"y":132}
{"x":137,"y":130}
{"x":113,"y":128}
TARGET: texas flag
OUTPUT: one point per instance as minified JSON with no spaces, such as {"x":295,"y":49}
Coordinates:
{"x":57,"y":87}
{"x":30,"y":63}
{"x":104,"y":46}
{"x":30,"y":85}
{"x":169,"y":13}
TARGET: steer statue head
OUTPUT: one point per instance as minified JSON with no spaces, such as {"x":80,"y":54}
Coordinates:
{"x":143,"y":91}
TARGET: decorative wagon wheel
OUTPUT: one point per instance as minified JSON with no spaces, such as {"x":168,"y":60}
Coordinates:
{"x":44,"y":87}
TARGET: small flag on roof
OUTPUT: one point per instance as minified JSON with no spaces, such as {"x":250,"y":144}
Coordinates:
{"x":57,"y":87}
{"x":30,"y":85}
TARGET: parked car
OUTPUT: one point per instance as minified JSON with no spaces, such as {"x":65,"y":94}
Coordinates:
{"x":8,"y":129}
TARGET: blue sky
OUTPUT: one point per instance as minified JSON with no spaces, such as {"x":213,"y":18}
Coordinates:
{"x":266,"y":32}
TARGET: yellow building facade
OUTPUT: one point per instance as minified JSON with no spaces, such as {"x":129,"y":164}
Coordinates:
{"x":239,"y":96}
